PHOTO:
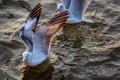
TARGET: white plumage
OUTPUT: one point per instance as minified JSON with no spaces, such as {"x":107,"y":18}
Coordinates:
{"x":38,"y":38}
{"x":76,"y":9}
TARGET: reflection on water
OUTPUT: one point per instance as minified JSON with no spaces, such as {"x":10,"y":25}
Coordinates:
{"x":44,"y":71}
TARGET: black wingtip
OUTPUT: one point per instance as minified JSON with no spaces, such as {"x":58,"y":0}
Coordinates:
{"x":35,"y":12}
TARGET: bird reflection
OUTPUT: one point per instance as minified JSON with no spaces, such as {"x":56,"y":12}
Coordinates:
{"x":43,"y":71}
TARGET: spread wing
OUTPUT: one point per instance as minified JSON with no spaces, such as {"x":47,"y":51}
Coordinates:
{"x":30,"y":24}
{"x":45,"y":32}
{"x":78,"y":7}
{"x":52,"y":26}
{"x":66,"y":3}
{"x":32,"y":19}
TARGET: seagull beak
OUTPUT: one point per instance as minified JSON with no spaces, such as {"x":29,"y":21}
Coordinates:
{"x":24,"y":60}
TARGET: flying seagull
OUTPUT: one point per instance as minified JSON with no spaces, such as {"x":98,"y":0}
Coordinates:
{"x":38,"y":38}
{"x":76,"y":9}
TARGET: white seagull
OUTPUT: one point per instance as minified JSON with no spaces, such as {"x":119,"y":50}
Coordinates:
{"x":38,"y":38}
{"x":76,"y":9}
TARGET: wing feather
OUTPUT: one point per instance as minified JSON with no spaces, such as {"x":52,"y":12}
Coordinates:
{"x":66,"y":3}
{"x":52,"y":26}
{"x":32,"y":19}
{"x":30,"y":24}
{"x":46,"y":31}
{"x":78,"y":7}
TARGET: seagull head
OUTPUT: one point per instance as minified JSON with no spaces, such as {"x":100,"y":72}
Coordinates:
{"x":60,"y":7}
{"x":25,"y":56}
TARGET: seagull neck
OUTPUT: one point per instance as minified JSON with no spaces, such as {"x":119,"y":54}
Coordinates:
{"x":29,"y":49}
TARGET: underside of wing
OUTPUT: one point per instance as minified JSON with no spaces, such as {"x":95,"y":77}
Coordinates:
{"x":66,"y":3}
{"x":32,"y":19}
{"x":30,"y":24}
{"x":24,"y":36}
{"x":78,"y":7}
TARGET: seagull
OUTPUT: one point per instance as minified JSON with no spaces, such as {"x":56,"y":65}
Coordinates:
{"x":76,"y":9}
{"x":38,"y":38}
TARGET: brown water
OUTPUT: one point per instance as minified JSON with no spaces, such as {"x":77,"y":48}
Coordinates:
{"x":79,"y":52}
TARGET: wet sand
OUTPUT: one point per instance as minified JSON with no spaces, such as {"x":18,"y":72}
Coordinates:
{"x":90,"y":52}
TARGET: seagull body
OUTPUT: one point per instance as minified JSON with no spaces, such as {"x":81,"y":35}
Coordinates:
{"x":38,"y":38}
{"x":76,"y":9}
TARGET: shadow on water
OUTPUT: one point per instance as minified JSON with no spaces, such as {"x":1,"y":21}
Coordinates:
{"x":43,"y":71}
